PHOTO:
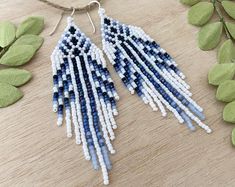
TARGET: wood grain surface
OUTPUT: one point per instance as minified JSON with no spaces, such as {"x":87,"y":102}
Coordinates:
{"x":151,"y":150}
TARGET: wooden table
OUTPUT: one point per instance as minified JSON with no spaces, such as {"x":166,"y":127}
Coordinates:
{"x":151,"y":150}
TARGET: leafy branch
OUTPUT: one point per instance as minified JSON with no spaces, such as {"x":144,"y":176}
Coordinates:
{"x":209,"y":37}
{"x":17,"y":47}
{"x":217,"y":9}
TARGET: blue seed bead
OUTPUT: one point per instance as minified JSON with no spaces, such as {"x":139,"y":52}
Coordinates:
{"x":106,"y":157}
{"x":72,"y":30}
{"x":60,"y":109}
{"x":55,"y":96}
{"x":94,"y":159}
{"x":197,"y":112}
{"x":55,"y":79}
{"x":187,"y":121}
{"x":66,"y":102}
{"x":99,"y":135}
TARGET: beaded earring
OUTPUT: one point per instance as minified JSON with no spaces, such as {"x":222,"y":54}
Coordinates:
{"x":84,"y":89}
{"x":148,"y":70}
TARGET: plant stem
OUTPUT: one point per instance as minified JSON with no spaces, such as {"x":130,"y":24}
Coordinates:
{"x":5,"y":49}
{"x":2,"y":52}
{"x":217,"y":9}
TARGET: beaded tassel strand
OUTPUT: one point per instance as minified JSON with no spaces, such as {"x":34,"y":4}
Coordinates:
{"x":148,"y":70}
{"x":84,"y":89}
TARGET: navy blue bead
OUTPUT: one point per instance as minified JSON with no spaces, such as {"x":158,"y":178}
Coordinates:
{"x":72,"y":30}
{"x":106,"y":21}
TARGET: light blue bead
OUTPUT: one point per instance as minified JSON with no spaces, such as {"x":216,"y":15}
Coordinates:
{"x":94,"y":160}
{"x":101,"y":140}
{"x":90,"y":141}
{"x":60,"y":115}
{"x":195,"y":111}
{"x":106,"y":157}
{"x":187,"y":121}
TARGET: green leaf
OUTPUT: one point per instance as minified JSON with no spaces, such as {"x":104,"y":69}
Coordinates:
{"x":220,"y":73}
{"x":229,"y":112}
{"x":229,"y":7}
{"x":200,"y":13}
{"x":30,"y":39}
{"x":14,"y":77}
{"x":7,"y":33}
{"x":189,"y":2}
{"x":9,"y":94}
{"x":226,"y":52}
{"x":231,"y":29}
{"x":210,"y":35}
{"x":32,"y":25}
{"x":226,"y":91}
{"x":233,"y":136}
{"x":18,"y":55}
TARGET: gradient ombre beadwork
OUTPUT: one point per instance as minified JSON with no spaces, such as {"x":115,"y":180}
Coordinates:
{"x":84,"y":89}
{"x":148,"y":70}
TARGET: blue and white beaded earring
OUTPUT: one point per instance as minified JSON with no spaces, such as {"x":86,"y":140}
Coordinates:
{"x":148,"y":70}
{"x":84,"y":89}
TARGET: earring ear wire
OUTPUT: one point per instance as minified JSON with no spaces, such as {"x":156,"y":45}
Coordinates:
{"x":57,"y":24}
{"x":73,"y":11}
{"x":97,"y":2}
{"x":91,"y":21}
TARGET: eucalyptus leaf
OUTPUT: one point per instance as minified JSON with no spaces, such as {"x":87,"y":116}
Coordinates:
{"x":233,"y":136}
{"x":189,"y":2}
{"x":9,"y":94}
{"x":200,"y":13}
{"x":229,"y":7}
{"x":226,"y":91}
{"x":30,"y":39}
{"x":7,"y":33}
{"x":231,"y":29}
{"x":18,"y":55}
{"x":229,"y":112}
{"x":220,"y":73}
{"x":32,"y":25}
{"x":210,"y":35}
{"x":226,"y":52}
{"x":14,"y":76}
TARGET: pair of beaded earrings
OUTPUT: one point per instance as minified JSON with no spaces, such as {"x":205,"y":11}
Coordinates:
{"x":84,"y":89}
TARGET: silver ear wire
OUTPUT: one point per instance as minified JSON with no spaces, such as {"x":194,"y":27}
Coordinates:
{"x":90,"y":19}
{"x":57,"y":24}
{"x":95,"y":2}
{"x":61,"y":16}
{"x":73,"y":11}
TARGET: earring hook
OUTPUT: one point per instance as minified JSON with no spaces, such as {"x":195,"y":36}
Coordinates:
{"x":97,"y":2}
{"x":57,"y":24}
{"x":73,"y":11}
{"x":61,"y":16}
{"x":90,"y":19}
